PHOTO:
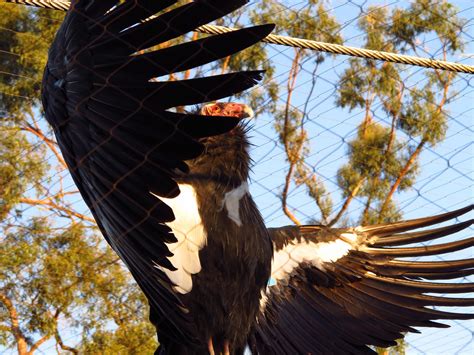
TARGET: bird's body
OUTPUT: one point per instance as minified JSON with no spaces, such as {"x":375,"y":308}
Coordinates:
{"x":235,"y":261}
{"x":169,"y":191}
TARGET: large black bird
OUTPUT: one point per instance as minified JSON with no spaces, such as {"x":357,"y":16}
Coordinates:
{"x":169,"y":193}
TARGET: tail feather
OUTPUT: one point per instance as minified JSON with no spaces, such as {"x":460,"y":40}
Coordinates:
{"x":421,"y":287}
{"x":428,"y":266}
{"x":424,"y":250}
{"x":419,"y":237}
{"x":398,"y":227}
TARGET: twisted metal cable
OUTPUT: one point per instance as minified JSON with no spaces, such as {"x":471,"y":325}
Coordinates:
{"x":300,"y":43}
{"x":45,"y":4}
{"x":351,"y":51}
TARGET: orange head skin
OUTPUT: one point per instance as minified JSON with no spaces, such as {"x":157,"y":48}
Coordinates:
{"x":226,"y":155}
{"x":230,"y":109}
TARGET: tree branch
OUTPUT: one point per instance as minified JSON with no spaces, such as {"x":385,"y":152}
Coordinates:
{"x":51,"y":205}
{"x":284,"y":195}
{"x":225,"y":65}
{"x":394,"y":114}
{"x":347,"y":202}
{"x":63,"y":346}
{"x":290,"y":87}
{"x":62,"y":194}
{"x":51,"y":144}
{"x":365,"y":213}
{"x":369,"y":99}
{"x":38,"y":343}
{"x":15,"y":325}
{"x":318,"y":198}
{"x":310,"y":180}
{"x":402,"y":174}
{"x":187,"y":73}
{"x":292,"y":157}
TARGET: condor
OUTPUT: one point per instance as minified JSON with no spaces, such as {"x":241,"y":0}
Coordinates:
{"x":169,"y":193}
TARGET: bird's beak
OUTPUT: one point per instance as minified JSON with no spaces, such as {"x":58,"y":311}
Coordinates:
{"x":229,"y":109}
{"x":248,"y":112}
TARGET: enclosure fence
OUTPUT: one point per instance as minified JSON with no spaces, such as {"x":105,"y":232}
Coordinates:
{"x":327,"y":106}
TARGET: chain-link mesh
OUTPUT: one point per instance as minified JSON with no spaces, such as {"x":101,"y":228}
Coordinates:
{"x":309,"y":88}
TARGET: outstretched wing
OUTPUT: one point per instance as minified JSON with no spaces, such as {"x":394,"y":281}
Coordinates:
{"x":121,"y":144}
{"x":338,"y":290}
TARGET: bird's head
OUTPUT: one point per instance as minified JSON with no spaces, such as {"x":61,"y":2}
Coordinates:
{"x":226,"y":155}
{"x":230,"y":109}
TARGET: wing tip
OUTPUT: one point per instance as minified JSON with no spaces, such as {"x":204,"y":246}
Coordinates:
{"x":264,"y":30}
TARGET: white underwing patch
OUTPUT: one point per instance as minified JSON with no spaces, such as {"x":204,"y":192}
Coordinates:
{"x":247,"y":350}
{"x":350,"y":237}
{"x":189,"y":230}
{"x":263,"y":299}
{"x":317,"y":254}
{"x":232,"y":202}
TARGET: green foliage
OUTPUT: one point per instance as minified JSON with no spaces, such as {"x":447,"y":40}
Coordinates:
{"x":23,"y":58}
{"x":399,"y":349}
{"x":133,"y":339}
{"x":373,"y":163}
{"x":373,"y":25}
{"x":311,"y":22}
{"x":370,"y":159}
{"x":20,"y":164}
{"x":423,"y":116}
{"x":381,"y":162}
{"x":57,"y":275}
{"x":423,"y":16}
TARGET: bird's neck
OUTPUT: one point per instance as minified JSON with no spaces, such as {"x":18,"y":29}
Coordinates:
{"x":225,"y":160}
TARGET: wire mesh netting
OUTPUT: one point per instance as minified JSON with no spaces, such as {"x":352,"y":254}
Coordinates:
{"x":318,"y":118}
